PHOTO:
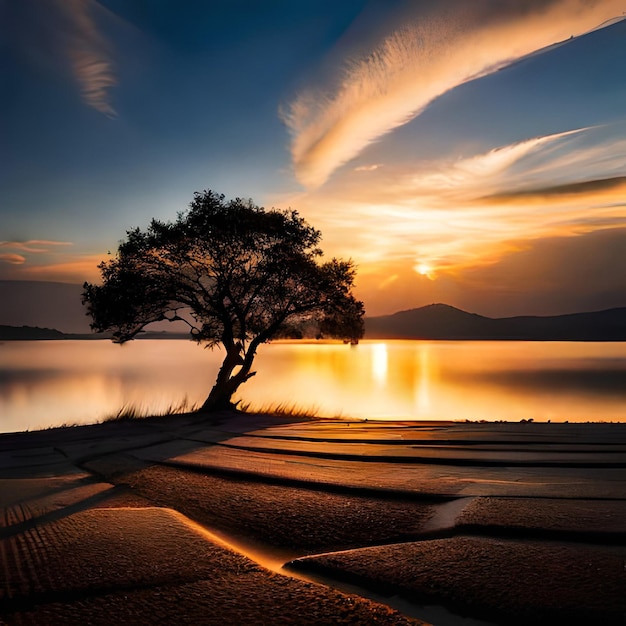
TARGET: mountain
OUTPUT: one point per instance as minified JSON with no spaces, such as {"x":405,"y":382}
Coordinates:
{"x":33,"y":333}
{"x":54,"y":305}
{"x":43,"y":304}
{"x":46,"y":305}
{"x":28,"y":333}
{"x":441,"y":321}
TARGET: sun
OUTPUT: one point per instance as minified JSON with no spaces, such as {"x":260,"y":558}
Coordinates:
{"x":424,"y":269}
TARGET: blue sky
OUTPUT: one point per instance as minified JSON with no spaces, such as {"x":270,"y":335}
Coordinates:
{"x":469,"y":153}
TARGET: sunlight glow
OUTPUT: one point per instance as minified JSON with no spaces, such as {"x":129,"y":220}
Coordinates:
{"x":64,"y":268}
{"x":461,"y":215}
{"x":424,"y":269}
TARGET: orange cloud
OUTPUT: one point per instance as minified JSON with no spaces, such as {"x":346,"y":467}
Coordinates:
{"x":12,"y":259}
{"x":368,"y":168}
{"x":33,"y":245}
{"x":456,"y":42}
{"x":456,"y":214}
{"x":76,"y":270}
{"x":45,"y":259}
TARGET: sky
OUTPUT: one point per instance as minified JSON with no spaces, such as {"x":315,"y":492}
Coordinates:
{"x":471,"y":153}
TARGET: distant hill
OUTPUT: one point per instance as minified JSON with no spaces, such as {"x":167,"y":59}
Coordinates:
{"x":43,"y":304}
{"x":28,"y":333}
{"x":441,"y":321}
{"x":33,"y":333}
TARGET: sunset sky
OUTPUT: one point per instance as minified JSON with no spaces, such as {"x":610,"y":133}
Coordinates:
{"x":472,"y":153}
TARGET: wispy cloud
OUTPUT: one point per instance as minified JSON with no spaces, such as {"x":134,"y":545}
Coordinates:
{"x":65,"y":34}
{"x":69,"y":268}
{"x":87,"y":51}
{"x":502,"y":158}
{"x":597,"y":186}
{"x":472,"y":212}
{"x":25,"y":253}
{"x":455,"y":42}
{"x":12,"y":259}
{"x":368,"y":168}
{"x":74,"y":270}
{"x":481,"y":170}
{"x":35,"y":246}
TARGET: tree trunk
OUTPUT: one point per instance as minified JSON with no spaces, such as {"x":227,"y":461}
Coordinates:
{"x":226,"y":384}
{"x":220,"y":398}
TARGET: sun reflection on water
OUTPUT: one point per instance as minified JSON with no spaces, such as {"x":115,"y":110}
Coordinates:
{"x":379,"y":363}
{"x":423,"y":378}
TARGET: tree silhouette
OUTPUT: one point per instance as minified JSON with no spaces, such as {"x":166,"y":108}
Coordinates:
{"x":236,"y":273}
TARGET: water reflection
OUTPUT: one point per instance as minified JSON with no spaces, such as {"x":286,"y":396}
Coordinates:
{"x":425,"y":373}
{"x":590,"y":380}
{"x":379,"y":363}
{"x":48,"y":383}
{"x":451,"y":380}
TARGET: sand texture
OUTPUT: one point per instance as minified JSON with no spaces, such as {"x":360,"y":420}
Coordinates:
{"x":252,"y":519}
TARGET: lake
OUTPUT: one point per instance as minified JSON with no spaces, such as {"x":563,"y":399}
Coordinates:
{"x":48,"y":383}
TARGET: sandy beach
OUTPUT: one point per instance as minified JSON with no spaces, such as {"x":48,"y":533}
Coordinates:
{"x":253,"y":519}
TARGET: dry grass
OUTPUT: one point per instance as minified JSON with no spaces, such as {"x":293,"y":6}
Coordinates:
{"x":281,"y":409}
{"x":130,"y":412}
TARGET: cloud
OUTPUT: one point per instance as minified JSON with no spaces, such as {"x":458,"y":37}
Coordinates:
{"x":617,"y":183}
{"x":67,"y":269}
{"x":74,"y":270}
{"x":64,"y":33}
{"x":502,"y":158}
{"x":45,"y":259}
{"x":472,"y":212}
{"x":440,"y":48}
{"x":485,"y":168}
{"x":87,"y":51}
{"x":12,"y":259}
{"x":35,"y":246}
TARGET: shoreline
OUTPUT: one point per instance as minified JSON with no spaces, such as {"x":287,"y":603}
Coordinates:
{"x":386,"y":506}
{"x":258,"y":417}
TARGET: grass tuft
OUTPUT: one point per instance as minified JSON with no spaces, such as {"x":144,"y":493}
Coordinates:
{"x":130,"y":412}
{"x":281,"y":409}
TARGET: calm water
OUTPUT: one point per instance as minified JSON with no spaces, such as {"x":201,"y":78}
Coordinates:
{"x":46,"y":383}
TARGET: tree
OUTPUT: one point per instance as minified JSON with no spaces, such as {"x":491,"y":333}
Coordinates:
{"x":236,"y":273}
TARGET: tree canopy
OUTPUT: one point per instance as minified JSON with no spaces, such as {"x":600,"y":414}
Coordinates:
{"x":237,"y":274}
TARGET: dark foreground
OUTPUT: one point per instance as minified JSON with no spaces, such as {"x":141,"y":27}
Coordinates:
{"x":510,"y":523}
